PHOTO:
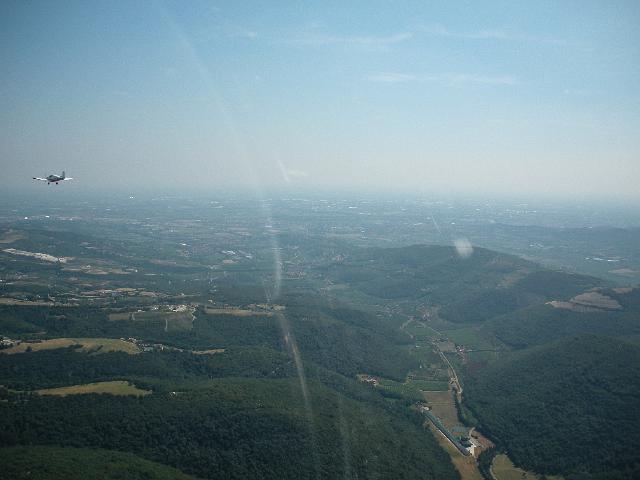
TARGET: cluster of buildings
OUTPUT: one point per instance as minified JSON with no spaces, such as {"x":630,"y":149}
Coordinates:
{"x":150,"y":347}
{"x":117,"y":292}
{"x":6,"y":342}
{"x":458,"y":435}
{"x":370,"y":380}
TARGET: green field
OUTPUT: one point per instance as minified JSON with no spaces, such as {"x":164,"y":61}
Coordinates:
{"x":430,"y":385}
{"x":97,"y":345}
{"x":151,"y":316}
{"x":420,"y":332}
{"x":443,"y":406}
{"x":406,"y":390}
{"x":426,"y":354}
{"x":470,"y":337}
{"x":412,"y":388}
{"x":483,"y":357}
{"x":117,"y":387}
{"x":167,"y":320}
{"x":237,"y":312}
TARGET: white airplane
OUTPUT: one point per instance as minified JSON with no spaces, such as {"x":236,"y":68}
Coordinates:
{"x":54,"y":178}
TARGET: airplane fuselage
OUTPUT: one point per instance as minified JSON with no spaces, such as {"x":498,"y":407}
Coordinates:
{"x":54,"y":179}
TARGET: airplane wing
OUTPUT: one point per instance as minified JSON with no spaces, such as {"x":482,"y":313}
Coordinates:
{"x":41,"y":179}
{"x":68,"y":178}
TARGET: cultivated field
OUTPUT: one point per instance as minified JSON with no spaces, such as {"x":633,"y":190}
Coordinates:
{"x":236,"y":312}
{"x":419,"y":330}
{"x":468,"y":336}
{"x":443,"y":406}
{"x":405,"y":389}
{"x":588,"y":302}
{"x":15,"y":301}
{"x":503,"y":469}
{"x":117,"y":387}
{"x":208,"y":352}
{"x":97,"y":345}
{"x":168,"y":320}
{"x":596,"y":300}
{"x":431,"y":385}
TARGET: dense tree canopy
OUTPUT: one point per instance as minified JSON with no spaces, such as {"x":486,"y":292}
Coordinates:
{"x":568,"y":407}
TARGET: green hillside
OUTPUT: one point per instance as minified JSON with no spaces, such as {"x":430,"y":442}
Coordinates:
{"x":570,"y":407}
{"x":241,"y":428}
{"x":52,"y":463}
{"x":483,"y":286}
{"x":539,"y":324}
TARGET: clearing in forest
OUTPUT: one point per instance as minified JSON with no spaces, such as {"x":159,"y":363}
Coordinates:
{"x":97,"y":345}
{"x":117,"y":387}
{"x":237,"y":312}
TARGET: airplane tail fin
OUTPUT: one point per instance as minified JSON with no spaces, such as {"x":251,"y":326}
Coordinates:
{"x":63,"y":175}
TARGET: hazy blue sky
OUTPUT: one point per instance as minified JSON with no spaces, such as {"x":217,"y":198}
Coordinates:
{"x":471,"y":96}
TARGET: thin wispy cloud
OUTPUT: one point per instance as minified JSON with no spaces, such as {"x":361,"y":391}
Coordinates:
{"x":500,"y":35}
{"x":371,"y":42}
{"x":440,"y":31}
{"x":316,"y":38}
{"x":459,"y":78}
{"x":451,"y":79}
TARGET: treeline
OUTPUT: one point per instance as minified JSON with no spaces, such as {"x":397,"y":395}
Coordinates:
{"x":56,"y":321}
{"x":68,"y":366}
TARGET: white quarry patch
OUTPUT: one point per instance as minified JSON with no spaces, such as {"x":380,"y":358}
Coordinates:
{"x":39,"y":256}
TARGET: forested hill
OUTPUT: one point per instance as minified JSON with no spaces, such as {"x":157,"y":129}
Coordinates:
{"x":569,"y":407}
{"x":56,"y":463}
{"x":240,"y":428}
{"x":468,"y":287}
{"x":617,"y":315}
